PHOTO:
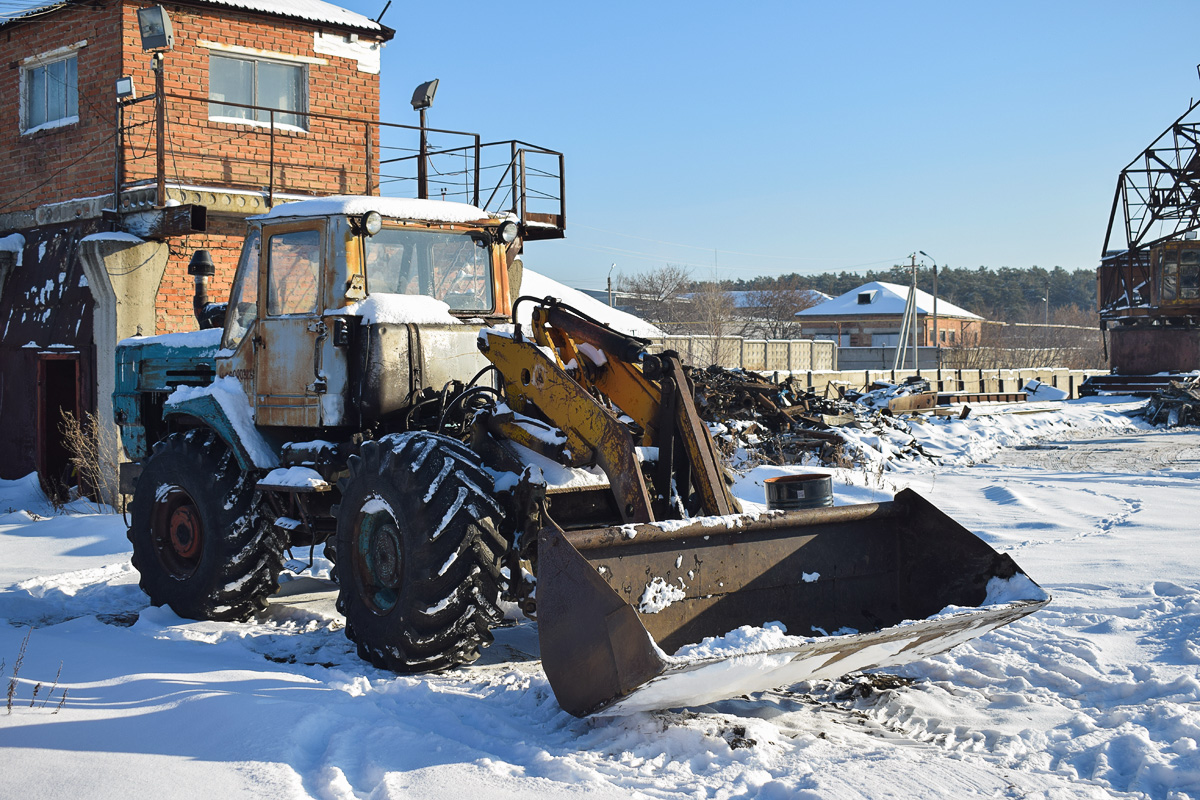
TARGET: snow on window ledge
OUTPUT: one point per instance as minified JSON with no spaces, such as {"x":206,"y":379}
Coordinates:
{"x":254,"y":123}
{"x":54,"y":123}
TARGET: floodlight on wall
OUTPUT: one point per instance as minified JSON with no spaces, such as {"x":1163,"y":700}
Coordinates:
{"x":422,"y":99}
{"x":125,"y":88}
{"x":155,"y":28}
{"x":423,"y":96}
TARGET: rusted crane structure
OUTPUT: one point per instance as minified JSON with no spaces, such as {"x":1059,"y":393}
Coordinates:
{"x":1149,"y":284}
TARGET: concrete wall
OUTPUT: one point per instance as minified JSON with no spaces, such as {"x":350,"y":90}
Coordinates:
{"x":883,"y":357}
{"x":951,"y":380}
{"x":760,"y":355}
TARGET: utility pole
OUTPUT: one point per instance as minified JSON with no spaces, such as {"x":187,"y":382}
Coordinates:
{"x":160,"y":149}
{"x":937,"y":342}
{"x":610,"y":296}
{"x":916,"y":347}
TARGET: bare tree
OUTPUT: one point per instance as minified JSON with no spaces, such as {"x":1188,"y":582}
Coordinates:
{"x":656,"y":295}
{"x":712,"y":314}
{"x":1071,"y":340}
{"x":771,"y":313}
{"x":713,"y":310}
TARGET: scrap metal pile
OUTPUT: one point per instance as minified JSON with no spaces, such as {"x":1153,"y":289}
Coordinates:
{"x":758,"y":421}
{"x":1178,"y":404}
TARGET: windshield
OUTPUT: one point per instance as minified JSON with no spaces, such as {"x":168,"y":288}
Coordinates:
{"x":452,"y":267}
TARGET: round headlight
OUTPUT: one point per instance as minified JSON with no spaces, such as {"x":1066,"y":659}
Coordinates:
{"x":372,"y":223}
{"x":508,"y":232}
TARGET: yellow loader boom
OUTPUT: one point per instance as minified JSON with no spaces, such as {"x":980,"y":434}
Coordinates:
{"x":855,"y":586}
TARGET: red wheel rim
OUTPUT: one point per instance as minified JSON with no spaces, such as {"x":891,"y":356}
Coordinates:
{"x":186,"y":533}
{"x":178,"y":532}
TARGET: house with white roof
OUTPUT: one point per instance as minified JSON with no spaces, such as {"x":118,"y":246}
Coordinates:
{"x":872,"y":315}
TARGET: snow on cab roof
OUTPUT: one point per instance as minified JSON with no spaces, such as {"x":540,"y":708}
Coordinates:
{"x":883,"y":298}
{"x":395,"y":207}
{"x":316,"y":11}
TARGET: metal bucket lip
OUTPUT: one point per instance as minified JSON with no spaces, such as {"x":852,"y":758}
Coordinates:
{"x":820,"y":657}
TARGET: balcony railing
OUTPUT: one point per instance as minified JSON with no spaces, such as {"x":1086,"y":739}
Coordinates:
{"x":331,"y":154}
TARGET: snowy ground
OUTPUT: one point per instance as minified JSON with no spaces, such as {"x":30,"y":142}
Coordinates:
{"x":1095,"y":696}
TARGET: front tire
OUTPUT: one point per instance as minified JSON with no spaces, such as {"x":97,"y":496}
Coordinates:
{"x":420,"y":546}
{"x":200,"y":542}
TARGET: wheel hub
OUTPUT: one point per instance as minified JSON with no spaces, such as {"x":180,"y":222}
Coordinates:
{"x":185,"y":531}
{"x":178,"y":532}
{"x":378,"y":561}
{"x":385,"y":555}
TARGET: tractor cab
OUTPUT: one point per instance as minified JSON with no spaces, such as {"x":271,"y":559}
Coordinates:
{"x":324,"y":287}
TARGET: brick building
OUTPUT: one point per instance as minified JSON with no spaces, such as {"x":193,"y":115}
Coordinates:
{"x":99,"y":215}
{"x":872,"y":315}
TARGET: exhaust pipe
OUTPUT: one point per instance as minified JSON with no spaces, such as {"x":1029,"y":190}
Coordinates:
{"x":208,"y":315}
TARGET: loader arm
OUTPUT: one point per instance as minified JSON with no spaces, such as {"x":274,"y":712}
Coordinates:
{"x":608,"y":379}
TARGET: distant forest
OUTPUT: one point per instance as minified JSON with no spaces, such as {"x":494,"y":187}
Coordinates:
{"x":1008,"y":294}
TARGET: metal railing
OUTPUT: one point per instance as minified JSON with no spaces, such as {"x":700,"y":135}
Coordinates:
{"x":260,"y":149}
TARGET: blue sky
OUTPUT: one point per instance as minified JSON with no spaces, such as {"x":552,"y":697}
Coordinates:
{"x":767,"y":138}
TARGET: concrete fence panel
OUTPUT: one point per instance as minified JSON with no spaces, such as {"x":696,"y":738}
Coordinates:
{"x":777,"y":355}
{"x":729,"y":351}
{"x":754,"y":354}
{"x":681,"y":345}
{"x":824,"y":355}
{"x":799,"y":355}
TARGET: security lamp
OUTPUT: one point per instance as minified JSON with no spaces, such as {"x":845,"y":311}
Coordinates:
{"x":423,"y":96}
{"x":125,"y":88}
{"x":155,"y":27}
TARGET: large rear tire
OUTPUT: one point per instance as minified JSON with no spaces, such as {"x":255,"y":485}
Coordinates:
{"x":420,"y":545}
{"x":200,"y":542}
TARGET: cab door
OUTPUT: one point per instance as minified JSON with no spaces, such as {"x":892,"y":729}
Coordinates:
{"x":288,"y":384}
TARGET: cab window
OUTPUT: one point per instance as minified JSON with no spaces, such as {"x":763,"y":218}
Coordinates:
{"x":243,"y":299}
{"x":293,"y":272}
{"x":1189,"y":275}
{"x":1170,"y":278}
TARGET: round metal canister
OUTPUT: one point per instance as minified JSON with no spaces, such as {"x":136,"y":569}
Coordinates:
{"x":792,"y":492}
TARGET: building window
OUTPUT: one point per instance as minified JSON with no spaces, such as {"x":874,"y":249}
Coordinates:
{"x":257,"y":82}
{"x":50,"y":90}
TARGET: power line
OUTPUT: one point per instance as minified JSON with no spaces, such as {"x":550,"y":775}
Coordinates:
{"x":637,"y":254}
{"x":695,"y":246}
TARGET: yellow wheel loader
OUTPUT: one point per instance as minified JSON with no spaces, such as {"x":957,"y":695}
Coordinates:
{"x":375,"y":385}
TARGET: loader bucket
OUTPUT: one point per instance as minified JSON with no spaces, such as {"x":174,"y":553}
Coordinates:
{"x":856,"y":587}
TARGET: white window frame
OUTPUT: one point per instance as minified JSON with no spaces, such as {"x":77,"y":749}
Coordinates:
{"x":257,"y":56}
{"x":39,"y":61}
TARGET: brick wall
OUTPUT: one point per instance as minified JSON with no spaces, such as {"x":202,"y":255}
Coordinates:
{"x":330,"y":157}
{"x":77,"y":160}
{"x":224,"y":241}
{"x":72,"y":161}
{"x":860,"y":329}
